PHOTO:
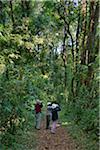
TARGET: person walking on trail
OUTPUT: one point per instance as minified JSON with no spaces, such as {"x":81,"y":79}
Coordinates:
{"x":55,"y":109}
{"x":38,"y":107}
{"x":48,"y":114}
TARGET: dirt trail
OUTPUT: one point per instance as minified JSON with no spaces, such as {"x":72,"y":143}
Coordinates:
{"x":61,"y":140}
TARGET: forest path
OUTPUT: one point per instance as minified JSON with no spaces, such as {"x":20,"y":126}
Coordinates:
{"x":61,"y":140}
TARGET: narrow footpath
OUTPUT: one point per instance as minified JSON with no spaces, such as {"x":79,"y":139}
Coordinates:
{"x":61,"y":140}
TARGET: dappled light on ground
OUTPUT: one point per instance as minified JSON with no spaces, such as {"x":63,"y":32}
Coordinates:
{"x":65,"y":123}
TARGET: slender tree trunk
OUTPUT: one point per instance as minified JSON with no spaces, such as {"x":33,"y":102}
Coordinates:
{"x":64,"y":56}
{"x":74,"y":82}
{"x":77,"y":40}
{"x":84,"y":31}
{"x":66,"y":32}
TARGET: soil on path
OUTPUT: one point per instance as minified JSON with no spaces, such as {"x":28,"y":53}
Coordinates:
{"x":61,"y":140}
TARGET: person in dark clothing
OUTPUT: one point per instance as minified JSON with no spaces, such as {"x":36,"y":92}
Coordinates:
{"x":55,"y":109}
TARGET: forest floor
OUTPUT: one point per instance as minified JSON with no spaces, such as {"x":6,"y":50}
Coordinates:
{"x":61,"y":140}
{"x":43,"y":139}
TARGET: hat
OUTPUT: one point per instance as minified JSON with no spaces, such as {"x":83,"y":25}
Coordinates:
{"x":37,"y":101}
{"x":49,"y":103}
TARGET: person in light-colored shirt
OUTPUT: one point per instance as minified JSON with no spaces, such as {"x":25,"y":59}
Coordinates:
{"x":48,"y":114}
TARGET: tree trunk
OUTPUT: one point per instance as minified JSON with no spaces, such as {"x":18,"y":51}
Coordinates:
{"x":94,"y":10}
{"x":64,"y":56}
{"x":77,"y":41}
{"x":84,"y":31}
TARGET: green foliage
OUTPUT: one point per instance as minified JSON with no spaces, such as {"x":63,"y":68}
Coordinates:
{"x":32,"y":66}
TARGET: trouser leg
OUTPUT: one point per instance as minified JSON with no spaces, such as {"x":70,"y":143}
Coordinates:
{"x":47,"y":121}
{"x":53,"y":127}
{"x":38,"y":120}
